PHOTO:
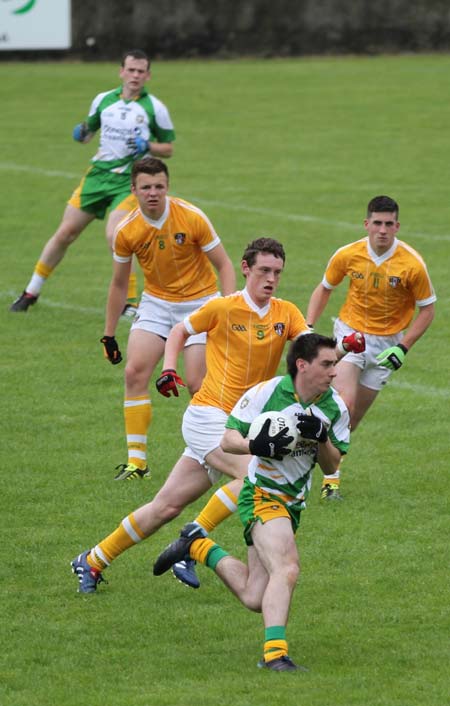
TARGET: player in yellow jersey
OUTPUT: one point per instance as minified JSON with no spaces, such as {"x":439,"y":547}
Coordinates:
{"x":246,"y":334}
{"x":388,"y":279}
{"x":131,"y":123}
{"x":178,"y":249}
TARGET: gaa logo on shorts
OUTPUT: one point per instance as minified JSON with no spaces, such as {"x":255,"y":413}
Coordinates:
{"x":180,"y":238}
{"x":279,"y":328}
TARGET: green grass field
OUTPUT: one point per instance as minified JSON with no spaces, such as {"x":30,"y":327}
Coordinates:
{"x":289,"y":148}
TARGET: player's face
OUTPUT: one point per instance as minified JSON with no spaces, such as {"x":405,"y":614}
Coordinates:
{"x":134,"y":73}
{"x":321,"y":371}
{"x":263,"y":277}
{"x":151,"y":191}
{"x":382,"y":228}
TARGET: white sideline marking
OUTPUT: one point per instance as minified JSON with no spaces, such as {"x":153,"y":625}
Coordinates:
{"x":283,"y":215}
{"x":54,"y":305}
{"x":421,"y":390}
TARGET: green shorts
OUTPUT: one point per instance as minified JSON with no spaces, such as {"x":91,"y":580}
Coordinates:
{"x":100,"y":190}
{"x":257,"y":505}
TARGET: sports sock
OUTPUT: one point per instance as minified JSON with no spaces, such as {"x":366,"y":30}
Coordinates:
{"x":220,"y":506}
{"x":275,"y":645}
{"x":127,"y":534}
{"x":138,"y":414}
{"x":132,"y":297}
{"x":205,"y":551}
{"x":333,"y":479}
{"x":37,"y":281}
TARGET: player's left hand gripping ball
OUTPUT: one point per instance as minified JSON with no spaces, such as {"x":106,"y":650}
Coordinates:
{"x":311,"y":427}
{"x":138,"y":145}
{"x":168,"y":383}
{"x":111,"y":349}
{"x":393,"y":357}
{"x":354,"y":343}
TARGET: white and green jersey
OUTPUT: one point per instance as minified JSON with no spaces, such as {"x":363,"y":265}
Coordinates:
{"x":290,"y":478}
{"x":120,"y":119}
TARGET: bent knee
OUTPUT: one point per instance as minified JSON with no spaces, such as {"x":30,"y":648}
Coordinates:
{"x":66,"y":234}
{"x":292,"y":572}
{"x":253,"y":604}
{"x":135,"y":375}
{"x":167,"y":511}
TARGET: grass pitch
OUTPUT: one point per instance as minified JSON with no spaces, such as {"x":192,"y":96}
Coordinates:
{"x":289,"y":148}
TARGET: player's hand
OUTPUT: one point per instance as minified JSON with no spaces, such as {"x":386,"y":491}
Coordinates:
{"x":80,"y":132}
{"x":354,"y":343}
{"x":270,"y":446}
{"x":138,"y":145}
{"x":111,"y":349}
{"x":393,"y":358}
{"x":168,"y":383}
{"x":311,"y":427}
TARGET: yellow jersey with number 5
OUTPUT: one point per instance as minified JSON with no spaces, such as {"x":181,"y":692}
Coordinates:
{"x":244,"y":344}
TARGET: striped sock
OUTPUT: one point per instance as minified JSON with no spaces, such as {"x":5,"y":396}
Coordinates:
{"x":127,"y":534}
{"x":333,"y":479}
{"x":138,"y":414}
{"x":40,"y":275}
{"x":220,"y":506}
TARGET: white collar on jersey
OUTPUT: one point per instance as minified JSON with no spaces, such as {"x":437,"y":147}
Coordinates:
{"x":160,"y":222}
{"x":261,"y":311}
{"x":379,"y":259}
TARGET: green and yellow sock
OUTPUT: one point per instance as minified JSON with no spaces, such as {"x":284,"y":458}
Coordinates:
{"x":275,"y":645}
{"x":207,"y":552}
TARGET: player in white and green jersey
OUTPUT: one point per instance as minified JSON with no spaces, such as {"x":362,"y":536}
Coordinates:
{"x":131,"y":123}
{"x":275,"y":488}
{"x":288,"y":478}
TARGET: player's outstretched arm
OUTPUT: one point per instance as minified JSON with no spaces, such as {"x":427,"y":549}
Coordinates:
{"x":117,"y":297}
{"x":317,"y":303}
{"x":225,"y":270}
{"x":394,"y":357}
{"x":174,"y":345}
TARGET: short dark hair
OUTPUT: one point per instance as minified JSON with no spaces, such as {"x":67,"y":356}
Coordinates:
{"x":265,"y":245}
{"x":135,"y":54}
{"x":382,"y":204}
{"x":148,"y":165}
{"x":307,"y":347}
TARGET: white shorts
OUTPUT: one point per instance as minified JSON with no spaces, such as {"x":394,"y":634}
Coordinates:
{"x":202,"y":429}
{"x":373,"y":376}
{"x":159,"y":316}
